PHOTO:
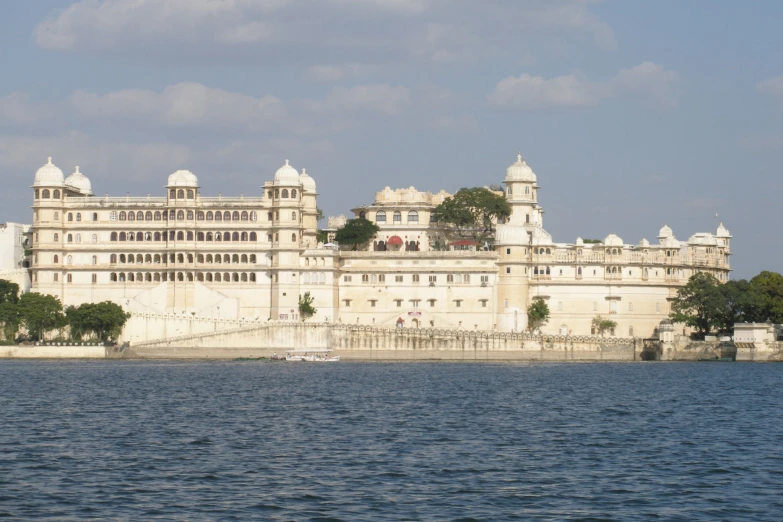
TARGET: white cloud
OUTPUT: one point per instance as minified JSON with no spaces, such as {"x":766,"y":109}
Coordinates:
{"x":182,"y":104}
{"x":99,"y":158}
{"x":17,"y":108}
{"x":647,"y":80}
{"x":772,"y":87}
{"x":335,"y":73}
{"x":380,"y":98}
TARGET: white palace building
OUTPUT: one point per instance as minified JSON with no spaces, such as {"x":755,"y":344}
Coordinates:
{"x":252,"y":257}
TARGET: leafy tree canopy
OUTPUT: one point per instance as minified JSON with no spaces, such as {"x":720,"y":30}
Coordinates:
{"x":103,"y":320}
{"x":603,"y":325}
{"x":356,"y":232}
{"x":591,"y":241}
{"x":306,"y":309}
{"x":471,"y":212}
{"x":700,"y":304}
{"x":537,"y":314}
{"x":770,"y":288}
{"x":40,"y":313}
{"x":9,"y":292}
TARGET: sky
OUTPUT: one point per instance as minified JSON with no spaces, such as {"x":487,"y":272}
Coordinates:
{"x":633,"y":114}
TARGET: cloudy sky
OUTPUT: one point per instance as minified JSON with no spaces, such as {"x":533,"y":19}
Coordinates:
{"x":632,"y":114}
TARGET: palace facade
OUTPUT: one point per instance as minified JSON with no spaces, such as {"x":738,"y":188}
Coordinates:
{"x":252,"y":257}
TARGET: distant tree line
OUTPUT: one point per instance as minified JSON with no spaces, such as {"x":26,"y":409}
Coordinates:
{"x":39,"y":314}
{"x":709,"y":306}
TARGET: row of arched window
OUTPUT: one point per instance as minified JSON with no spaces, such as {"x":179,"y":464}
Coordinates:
{"x":313,"y":277}
{"x":180,"y":258}
{"x":181,"y":194}
{"x":74,"y":238}
{"x":184,"y":236}
{"x":380,"y":216}
{"x":179,"y":215}
{"x":69,"y":260}
{"x":157,"y":277}
{"x":284,"y":194}
{"x":46,"y":194}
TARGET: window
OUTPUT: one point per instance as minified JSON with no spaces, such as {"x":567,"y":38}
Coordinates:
{"x":483,"y":303}
{"x":95,"y":216}
{"x":284,"y":194}
{"x":458,"y":303}
{"x":413,"y":217}
{"x":365,"y":278}
{"x":95,"y":278}
{"x":190,"y":194}
{"x":46,"y":194}
{"x":94,"y":238}
{"x":57,"y":237}
{"x":508,"y":269}
{"x":431,"y":302}
{"x":398,"y":302}
{"x":235,"y":216}
{"x":347,"y":278}
{"x":190,"y":214}
{"x":57,"y":216}
{"x":397,"y":217}
{"x":70,"y":216}
{"x":433,"y":279}
{"x":347,"y":303}
{"x":415,"y":303}
{"x":253,"y":216}
{"x":56,"y":259}
{"x":372,"y":303}
{"x":70,"y":238}
{"x":398,"y":279}
{"x":380,"y":217}
{"x":293,"y":193}
{"x":415,"y":278}
{"x":56,"y":277}
{"x":69,"y":278}
{"x":484,"y":280}
{"x":94,"y":260}
{"x":244,"y":216}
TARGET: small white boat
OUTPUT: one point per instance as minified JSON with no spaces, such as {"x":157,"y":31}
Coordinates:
{"x":311,"y":356}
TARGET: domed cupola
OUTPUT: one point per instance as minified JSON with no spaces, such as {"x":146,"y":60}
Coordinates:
{"x":308,"y":183}
{"x":49,"y":175}
{"x":520,"y":171}
{"x":665,"y":232}
{"x":511,"y":234}
{"x":287,"y":174}
{"x":79,"y":182}
{"x":723,"y":232}
{"x":184,"y":179}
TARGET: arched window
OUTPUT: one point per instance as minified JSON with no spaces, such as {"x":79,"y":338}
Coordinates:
{"x":123,"y":216}
{"x":139,"y":236}
{"x":252,"y":278}
{"x":191,"y":194}
{"x":172,"y":215}
{"x":235,"y":216}
{"x":56,"y":259}
{"x":200,"y":236}
{"x":244,"y":278}
{"x":209,"y":258}
{"x":284,"y":194}
{"x":579,"y":271}
{"x":180,"y":236}
{"x":235,"y":236}
{"x":209,"y":216}
{"x":158,"y":216}
{"x":56,"y":194}
{"x":139,"y":216}
{"x":244,"y":216}
{"x":148,"y":216}
{"x":293,"y":237}
{"x":293,"y":193}
{"x":180,"y":258}
{"x":218,"y":216}
{"x":217,"y":277}
{"x":226,"y":277}
{"x":140,"y":259}
{"x":218,"y":236}
{"x":94,"y":260}
{"x":209,"y":236}
{"x":227,"y":259}
{"x":113,"y":277}
{"x":180,"y":194}
{"x":413,"y":217}
{"x":122,"y":236}
{"x":131,"y":216}
{"x":94,"y":238}
{"x":380,"y":217}
{"x":269,"y":216}
{"x":78,"y":238}
{"x":252,"y":258}
{"x":226,"y":216}
{"x":253,"y":236}
{"x":397,"y":216}
{"x":235,"y":258}
{"x":253,"y":216}
{"x":243,"y":237}
{"x":527,"y":190}
{"x":180,"y":276}
{"x":78,"y":216}
{"x":190,"y":214}
{"x":157,"y":258}
{"x":70,"y":216}
{"x":200,"y":215}
{"x":57,"y":237}
{"x":148,"y":236}
{"x":172,"y":194}
{"x":190,"y":235}
{"x":277,"y":193}
{"x":157,"y":277}
{"x":244,"y":258}
{"x":180,"y":215}
{"x":70,"y":238}
{"x":45,"y":194}
{"x":235,"y":278}
{"x":362,"y":215}
{"x":226,"y":236}
{"x":69,"y":260}
{"x":37,"y":194}
{"x":548,"y":271}
{"x":293,"y":216}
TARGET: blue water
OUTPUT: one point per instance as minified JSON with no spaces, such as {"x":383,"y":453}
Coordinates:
{"x":138,"y":440}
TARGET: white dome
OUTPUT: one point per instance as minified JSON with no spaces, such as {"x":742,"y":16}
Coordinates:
{"x":541,"y":237}
{"x":79,"y":182}
{"x":670,"y":242}
{"x":183,"y":178}
{"x":49,"y":175}
{"x":308,"y":183}
{"x":511,"y":235}
{"x":286,"y":174}
{"x":580,"y":241}
{"x":722,"y":231}
{"x":666,"y":231}
{"x":520,"y":171}
{"x":644,"y":243}
{"x":702,"y":238}
{"x":613,"y":240}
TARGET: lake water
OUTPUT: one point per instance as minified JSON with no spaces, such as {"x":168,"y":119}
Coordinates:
{"x":139,"y":440}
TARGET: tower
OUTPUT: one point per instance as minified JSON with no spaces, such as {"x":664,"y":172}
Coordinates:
{"x":286,"y":242}
{"x":47,"y":230}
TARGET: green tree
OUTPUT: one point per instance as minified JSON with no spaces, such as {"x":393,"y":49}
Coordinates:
{"x":601,"y":325}
{"x":9,"y":292}
{"x":743,"y":303}
{"x":537,"y":314}
{"x":591,"y":241}
{"x":319,"y":214}
{"x":770,"y":286}
{"x":700,"y":304}
{"x":471,"y":213}
{"x":40,"y":313}
{"x":356,"y":232}
{"x":322,"y":236}
{"x":306,"y":309}
{"x":103,"y":320}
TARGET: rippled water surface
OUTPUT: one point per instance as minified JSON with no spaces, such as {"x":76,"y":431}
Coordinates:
{"x":422,"y":441}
